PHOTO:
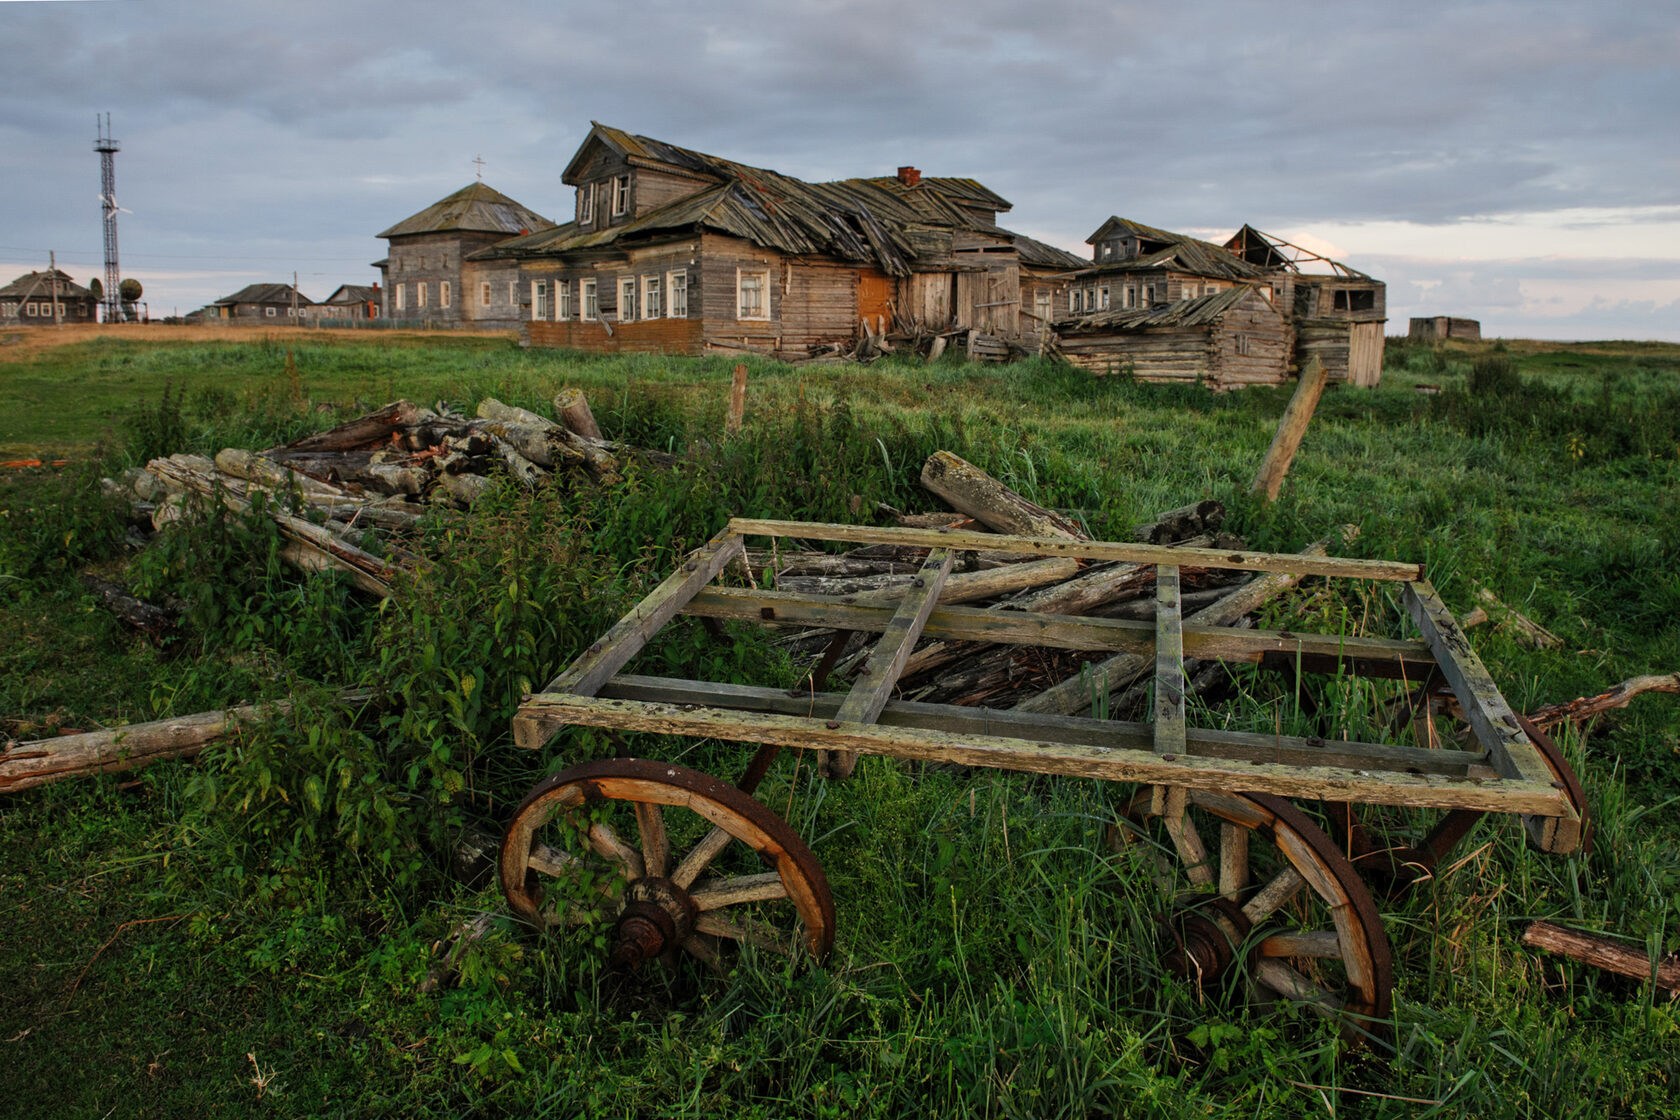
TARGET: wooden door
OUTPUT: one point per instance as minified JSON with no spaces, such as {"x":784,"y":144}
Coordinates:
{"x":874,"y":299}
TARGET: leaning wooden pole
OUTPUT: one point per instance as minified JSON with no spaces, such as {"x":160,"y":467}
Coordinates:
{"x":1290,"y":429}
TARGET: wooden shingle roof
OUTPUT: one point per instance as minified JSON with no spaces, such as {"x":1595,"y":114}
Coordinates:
{"x":264,"y":293}
{"x":35,"y":285}
{"x":1201,"y":311}
{"x":475,"y":208}
{"x":863,"y":220}
{"x":1160,"y":248}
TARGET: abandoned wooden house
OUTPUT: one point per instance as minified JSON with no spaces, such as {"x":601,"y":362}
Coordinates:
{"x":1443,"y":328}
{"x":1228,"y":338}
{"x":677,"y":251}
{"x":1338,"y":312}
{"x":1118,"y":311}
{"x":427,"y":275}
{"x":350,"y":303}
{"x":39,"y":299}
{"x":258,"y":304}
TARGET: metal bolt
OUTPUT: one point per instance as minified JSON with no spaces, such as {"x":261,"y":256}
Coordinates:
{"x":920,"y":582}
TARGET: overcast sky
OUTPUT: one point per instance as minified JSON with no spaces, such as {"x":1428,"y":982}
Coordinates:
{"x":1518,"y":163}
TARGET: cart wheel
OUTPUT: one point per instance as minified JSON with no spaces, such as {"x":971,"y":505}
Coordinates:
{"x":601,"y":833}
{"x":1270,"y":906}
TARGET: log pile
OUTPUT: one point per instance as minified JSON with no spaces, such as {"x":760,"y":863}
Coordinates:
{"x":333,"y":493}
{"x":1033,"y":679}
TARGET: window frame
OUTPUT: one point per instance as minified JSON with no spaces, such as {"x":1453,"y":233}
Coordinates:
{"x":671,"y":289}
{"x":626,"y":288}
{"x":620,"y":195}
{"x":589,"y":300}
{"x":742,"y":274}
{"x":562,"y":301}
{"x":653,"y":294}
{"x":444,"y":293}
{"x":484,"y":294}
{"x":402,"y":304}
{"x":539,"y":301}
{"x":1076,"y":301}
{"x":420,"y":295}
{"x":586,"y":204}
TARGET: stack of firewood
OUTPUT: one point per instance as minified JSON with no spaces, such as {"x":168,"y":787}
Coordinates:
{"x":375,"y":476}
{"x":1033,"y":679}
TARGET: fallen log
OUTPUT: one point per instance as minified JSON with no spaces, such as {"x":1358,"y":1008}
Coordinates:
{"x":967,"y":488}
{"x":564,"y":445}
{"x":26,"y":765}
{"x":373,"y":430}
{"x":967,"y":587}
{"x":572,"y":407}
{"x":1074,"y":695}
{"x":138,"y":613}
{"x":1584,"y":708}
{"x":1602,"y":952}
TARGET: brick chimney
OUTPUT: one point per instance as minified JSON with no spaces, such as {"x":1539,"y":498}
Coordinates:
{"x":909,"y":176}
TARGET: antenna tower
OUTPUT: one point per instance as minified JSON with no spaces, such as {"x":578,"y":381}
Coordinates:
{"x":107,"y":149}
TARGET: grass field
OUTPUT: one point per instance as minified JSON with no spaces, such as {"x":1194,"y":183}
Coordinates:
{"x":247,"y":935}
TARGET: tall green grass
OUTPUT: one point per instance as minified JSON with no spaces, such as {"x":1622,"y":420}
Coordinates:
{"x":995,"y":958}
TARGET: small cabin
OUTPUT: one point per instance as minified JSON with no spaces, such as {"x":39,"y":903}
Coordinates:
{"x":1225,"y":340}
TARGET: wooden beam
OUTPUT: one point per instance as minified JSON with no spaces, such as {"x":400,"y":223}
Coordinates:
{"x":1291,"y":428}
{"x":1169,"y":663}
{"x":1369,"y":657}
{"x":965,"y":540}
{"x":1237,"y":746}
{"x":626,"y":639}
{"x":1038,"y":756}
{"x":1510,"y":752}
{"x":879,"y":675}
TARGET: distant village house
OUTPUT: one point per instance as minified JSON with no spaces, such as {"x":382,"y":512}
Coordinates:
{"x":262,"y":303}
{"x":39,"y":299}
{"x":1443,"y":328}
{"x":350,"y":303}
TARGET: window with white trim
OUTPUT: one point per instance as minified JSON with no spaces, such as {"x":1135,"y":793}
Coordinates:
{"x":484,"y":294}
{"x":621,"y":196}
{"x":586,"y":204}
{"x":562,"y":300}
{"x":1076,"y":301}
{"x":513,"y":293}
{"x":676,"y":286}
{"x":539,"y":300}
{"x":1129,"y":296}
{"x":270,"y":311}
{"x":752,"y":294}
{"x":590,"y":301}
{"x":627,"y":300}
{"x":651,"y":293}
{"x":443,"y":293}
{"x":420,"y":294}
{"x":1090,"y":299}
{"x":1102,"y":299}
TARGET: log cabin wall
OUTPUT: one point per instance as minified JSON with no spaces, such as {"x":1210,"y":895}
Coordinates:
{"x":1184,"y":354}
{"x":1253,"y":342}
{"x":659,"y":271}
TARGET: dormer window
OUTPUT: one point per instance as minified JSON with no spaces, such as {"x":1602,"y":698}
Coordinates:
{"x":586,"y":204}
{"x":621,"y":196}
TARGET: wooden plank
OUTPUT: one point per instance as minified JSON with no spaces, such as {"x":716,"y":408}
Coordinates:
{"x":879,"y":675}
{"x":1244,"y":746}
{"x":1084,"y":550}
{"x":1038,"y":756}
{"x":1169,"y":663}
{"x":1370,"y":657}
{"x":626,"y":639}
{"x":1510,"y":752}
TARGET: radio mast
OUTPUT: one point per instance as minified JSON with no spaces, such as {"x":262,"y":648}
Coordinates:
{"x":107,"y":149}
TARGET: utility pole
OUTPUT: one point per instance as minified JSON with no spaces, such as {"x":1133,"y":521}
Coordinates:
{"x":52,"y":271}
{"x":294,"y":298}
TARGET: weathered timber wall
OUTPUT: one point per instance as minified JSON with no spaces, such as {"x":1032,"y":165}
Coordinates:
{"x":653,"y":336}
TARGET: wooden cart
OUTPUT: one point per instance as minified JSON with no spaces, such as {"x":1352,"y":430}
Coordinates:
{"x":1254,"y":883}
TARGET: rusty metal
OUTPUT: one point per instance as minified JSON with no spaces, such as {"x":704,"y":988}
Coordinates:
{"x":1566,"y":774}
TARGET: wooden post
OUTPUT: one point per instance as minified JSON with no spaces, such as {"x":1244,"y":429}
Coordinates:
{"x":1290,"y":429}
{"x":737,"y":402}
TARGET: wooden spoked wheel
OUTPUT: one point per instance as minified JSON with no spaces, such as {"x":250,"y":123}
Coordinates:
{"x":1258,"y":900}
{"x":670,"y":859}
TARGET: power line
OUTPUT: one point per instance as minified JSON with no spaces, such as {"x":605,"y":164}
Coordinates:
{"x":31,"y":250}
